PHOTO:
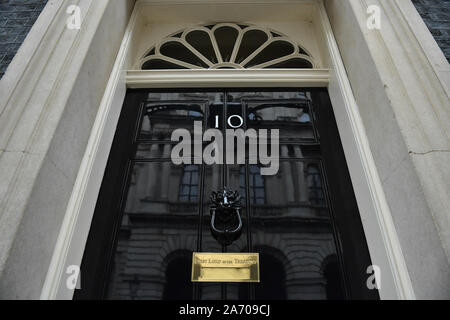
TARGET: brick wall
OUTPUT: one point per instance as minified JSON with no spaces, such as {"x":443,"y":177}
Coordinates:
{"x":436,"y":14}
{"x":16,"y":19}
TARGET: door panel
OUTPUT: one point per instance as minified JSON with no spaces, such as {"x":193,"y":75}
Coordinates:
{"x":152,"y":214}
{"x":292,"y":224}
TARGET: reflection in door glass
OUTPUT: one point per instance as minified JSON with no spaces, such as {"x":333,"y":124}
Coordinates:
{"x":158,"y":233}
{"x":165,"y":211}
{"x":293,"y":232}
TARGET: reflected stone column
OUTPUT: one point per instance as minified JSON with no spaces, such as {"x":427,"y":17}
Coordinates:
{"x":288,"y":181}
{"x":165,"y":174}
{"x":302,"y":183}
{"x":133,"y":191}
{"x":151,"y":177}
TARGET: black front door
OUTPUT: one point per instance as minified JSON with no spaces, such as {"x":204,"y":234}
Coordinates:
{"x":152,"y":213}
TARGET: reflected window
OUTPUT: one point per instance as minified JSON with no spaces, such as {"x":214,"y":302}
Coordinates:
{"x":161,"y":119}
{"x":292,"y":119}
{"x":189,"y":184}
{"x":316,"y":196}
{"x":194,"y":114}
{"x":257,"y":185}
{"x":305,"y":118}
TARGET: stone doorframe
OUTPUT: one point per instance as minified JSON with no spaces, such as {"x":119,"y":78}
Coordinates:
{"x":51,"y":101}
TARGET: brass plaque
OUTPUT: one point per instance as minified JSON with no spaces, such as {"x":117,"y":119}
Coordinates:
{"x":225,"y":267}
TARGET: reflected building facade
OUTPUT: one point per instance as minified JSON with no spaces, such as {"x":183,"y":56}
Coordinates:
{"x":287,"y":216}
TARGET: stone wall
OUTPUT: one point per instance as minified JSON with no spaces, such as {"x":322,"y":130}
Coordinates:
{"x":436,"y":14}
{"x":16,"y":19}
{"x":63,"y":100}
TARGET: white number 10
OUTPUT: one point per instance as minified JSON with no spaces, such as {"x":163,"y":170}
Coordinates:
{"x":241,"y":121}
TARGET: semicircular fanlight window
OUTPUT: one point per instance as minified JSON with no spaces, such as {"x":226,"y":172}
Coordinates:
{"x":226,"y":46}
{"x":253,"y":40}
{"x":201,"y":41}
{"x":275,"y":50}
{"x":226,"y":39}
{"x":178,"y":51}
{"x":159,"y":64}
{"x":292,"y":64}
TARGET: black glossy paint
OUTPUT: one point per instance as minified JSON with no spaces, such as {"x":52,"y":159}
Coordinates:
{"x":151,"y":214}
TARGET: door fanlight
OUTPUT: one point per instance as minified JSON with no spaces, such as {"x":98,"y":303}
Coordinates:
{"x":226,"y":46}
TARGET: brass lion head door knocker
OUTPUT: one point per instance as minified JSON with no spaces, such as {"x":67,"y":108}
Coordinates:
{"x":226,"y":222}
